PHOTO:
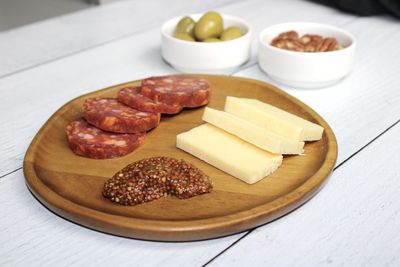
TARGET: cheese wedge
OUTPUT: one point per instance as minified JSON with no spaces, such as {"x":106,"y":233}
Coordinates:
{"x":228,"y":153}
{"x":252,"y":133}
{"x":274,"y":119}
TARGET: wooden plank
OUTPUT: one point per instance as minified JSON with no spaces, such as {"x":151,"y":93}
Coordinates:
{"x":44,"y":41}
{"x":124,"y":60}
{"x":353,"y":221}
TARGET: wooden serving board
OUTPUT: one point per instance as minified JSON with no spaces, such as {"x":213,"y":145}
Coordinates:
{"x":71,"y":185}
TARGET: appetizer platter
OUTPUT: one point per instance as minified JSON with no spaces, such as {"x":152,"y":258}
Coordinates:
{"x":180,"y":157}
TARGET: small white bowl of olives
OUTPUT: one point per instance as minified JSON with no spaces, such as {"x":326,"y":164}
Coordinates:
{"x":206,"y":43}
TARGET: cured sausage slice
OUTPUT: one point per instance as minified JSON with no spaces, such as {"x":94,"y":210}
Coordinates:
{"x":88,"y":141}
{"x":131,"y":96}
{"x":177,"y":90}
{"x":110,"y":115}
{"x":152,"y":178}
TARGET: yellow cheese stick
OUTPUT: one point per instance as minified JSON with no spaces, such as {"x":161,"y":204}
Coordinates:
{"x":273,"y":119}
{"x":252,"y":133}
{"x":228,"y":153}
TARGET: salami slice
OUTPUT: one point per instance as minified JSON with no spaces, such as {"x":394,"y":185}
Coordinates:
{"x":88,"y":141}
{"x":110,"y":115}
{"x":177,"y":90}
{"x":131,"y":96}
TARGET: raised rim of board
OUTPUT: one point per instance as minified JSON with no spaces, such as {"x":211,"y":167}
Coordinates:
{"x":180,"y":230}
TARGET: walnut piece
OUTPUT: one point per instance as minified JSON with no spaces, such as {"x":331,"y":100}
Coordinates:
{"x":307,"y":43}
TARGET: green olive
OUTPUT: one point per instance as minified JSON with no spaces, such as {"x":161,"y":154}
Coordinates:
{"x":212,"y":40}
{"x":209,"y":25}
{"x":184,"y":36}
{"x":186,"y":25}
{"x":231,"y":33}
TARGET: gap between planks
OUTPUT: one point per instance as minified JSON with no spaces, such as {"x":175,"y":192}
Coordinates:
{"x":11,"y":172}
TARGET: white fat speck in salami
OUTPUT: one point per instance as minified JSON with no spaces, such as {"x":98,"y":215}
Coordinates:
{"x":167,"y":80}
{"x":88,"y":136}
{"x":120,"y":143}
{"x":163,"y":89}
{"x":142,"y":114}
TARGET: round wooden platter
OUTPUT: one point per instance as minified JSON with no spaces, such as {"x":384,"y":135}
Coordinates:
{"x":71,"y":186}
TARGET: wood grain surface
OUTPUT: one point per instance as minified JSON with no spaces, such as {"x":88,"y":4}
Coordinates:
{"x":71,"y":185}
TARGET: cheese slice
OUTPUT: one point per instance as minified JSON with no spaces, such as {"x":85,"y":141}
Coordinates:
{"x":252,"y":133}
{"x":228,"y":153}
{"x":274,"y":119}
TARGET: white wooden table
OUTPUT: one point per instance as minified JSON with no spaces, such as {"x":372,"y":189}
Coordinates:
{"x":353,"y":221}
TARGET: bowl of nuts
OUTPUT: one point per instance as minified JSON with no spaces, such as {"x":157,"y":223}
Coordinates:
{"x":206,"y":43}
{"x":306,"y":55}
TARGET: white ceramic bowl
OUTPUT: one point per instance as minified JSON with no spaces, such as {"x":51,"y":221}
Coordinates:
{"x":301,"y":69}
{"x":198,"y":57}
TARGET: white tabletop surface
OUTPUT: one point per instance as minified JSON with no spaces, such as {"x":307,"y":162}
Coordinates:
{"x":353,"y":221}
